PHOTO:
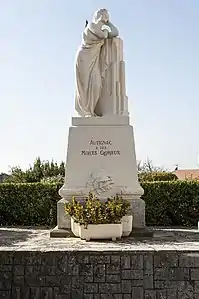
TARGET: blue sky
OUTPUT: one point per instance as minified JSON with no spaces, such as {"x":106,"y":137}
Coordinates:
{"x":38,"y":42}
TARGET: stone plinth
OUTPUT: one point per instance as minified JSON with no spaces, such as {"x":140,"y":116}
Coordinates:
{"x":63,"y":220}
{"x":110,"y":120}
{"x":101,"y":159}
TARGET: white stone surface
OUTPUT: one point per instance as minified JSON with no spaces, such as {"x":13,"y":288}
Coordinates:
{"x":101,"y":159}
{"x":127,"y":222}
{"x":74,"y":228}
{"x":63,"y":220}
{"x":101,"y":151}
{"x":100,"y":231}
{"x":100,"y":70}
{"x":111,"y":120}
{"x":113,"y":99}
{"x":138,"y":212}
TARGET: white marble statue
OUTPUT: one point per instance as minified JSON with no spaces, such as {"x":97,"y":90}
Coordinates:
{"x":100,"y":70}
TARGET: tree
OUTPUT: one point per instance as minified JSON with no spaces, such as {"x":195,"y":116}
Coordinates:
{"x":40,"y":171}
{"x":45,"y":171}
{"x":148,"y":172}
{"x":147,"y":166}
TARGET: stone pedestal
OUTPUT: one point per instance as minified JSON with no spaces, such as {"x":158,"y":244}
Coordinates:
{"x":101,"y":159}
{"x":63,"y":220}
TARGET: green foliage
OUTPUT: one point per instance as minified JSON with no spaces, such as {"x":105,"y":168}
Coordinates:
{"x":157,"y":176}
{"x":53,"y":179}
{"x":147,"y":172}
{"x":37,"y":173}
{"x":174,"y":203}
{"x":94,"y":211}
{"x":28,"y":204}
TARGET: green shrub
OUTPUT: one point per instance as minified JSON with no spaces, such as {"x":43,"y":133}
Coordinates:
{"x":93,"y":211}
{"x":174,"y":203}
{"x":28,"y":204}
{"x":59,"y":179}
{"x":157,"y":176}
{"x":40,"y":170}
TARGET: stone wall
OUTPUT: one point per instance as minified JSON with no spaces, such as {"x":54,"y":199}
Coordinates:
{"x":99,"y":275}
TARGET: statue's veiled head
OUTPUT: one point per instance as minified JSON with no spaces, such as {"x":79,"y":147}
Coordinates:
{"x":101,"y":15}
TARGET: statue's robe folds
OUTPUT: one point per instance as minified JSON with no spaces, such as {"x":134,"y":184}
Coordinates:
{"x":100,"y":75}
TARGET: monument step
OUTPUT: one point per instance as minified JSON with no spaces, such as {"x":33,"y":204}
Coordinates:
{"x":109,"y":120}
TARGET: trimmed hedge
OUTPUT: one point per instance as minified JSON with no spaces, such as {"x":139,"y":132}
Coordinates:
{"x":157,"y":176}
{"x":174,"y":203}
{"x":28,"y":204}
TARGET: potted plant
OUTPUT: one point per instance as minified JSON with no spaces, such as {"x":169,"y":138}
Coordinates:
{"x":95,"y":219}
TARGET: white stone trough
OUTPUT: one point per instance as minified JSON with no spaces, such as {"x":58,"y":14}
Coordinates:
{"x":103,"y":231}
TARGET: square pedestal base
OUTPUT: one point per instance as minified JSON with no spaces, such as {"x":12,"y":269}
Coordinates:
{"x":137,"y":207}
{"x":61,"y":233}
{"x":101,"y":159}
{"x":63,"y":229}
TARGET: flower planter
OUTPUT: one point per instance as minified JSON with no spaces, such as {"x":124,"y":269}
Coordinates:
{"x":74,"y":228}
{"x":100,"y":231}
{"x":127,"y":222}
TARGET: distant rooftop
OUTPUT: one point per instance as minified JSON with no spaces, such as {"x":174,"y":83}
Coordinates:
{"x":3,"y":176}
{"x":184,"y":174}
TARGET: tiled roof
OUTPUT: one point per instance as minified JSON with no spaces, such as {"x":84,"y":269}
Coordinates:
{"x":184,"y":174}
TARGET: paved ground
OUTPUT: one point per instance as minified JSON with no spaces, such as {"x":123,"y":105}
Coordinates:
{"x":22,"y":239}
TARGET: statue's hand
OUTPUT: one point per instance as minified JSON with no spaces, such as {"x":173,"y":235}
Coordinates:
{"x":105,"y":27}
